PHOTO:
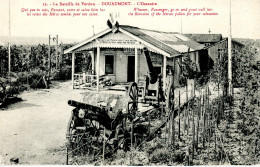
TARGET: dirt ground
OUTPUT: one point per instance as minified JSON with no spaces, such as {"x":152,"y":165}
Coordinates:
{"x":34,"y":130}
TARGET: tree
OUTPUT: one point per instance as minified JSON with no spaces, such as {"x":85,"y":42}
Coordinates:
{"x":188,"y":69}
{"x":248,"y":78}
{"x":3,"y":61}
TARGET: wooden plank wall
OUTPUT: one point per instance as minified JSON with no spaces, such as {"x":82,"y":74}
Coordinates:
{"x":214,"y":50}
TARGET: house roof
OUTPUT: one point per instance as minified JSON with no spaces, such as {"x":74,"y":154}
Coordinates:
{"x":205,"y":38}
{"x":224,"y":39}
{"x":233,"y":40}
{"x":169,"y":43}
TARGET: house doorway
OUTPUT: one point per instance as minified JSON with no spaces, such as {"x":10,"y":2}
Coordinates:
{"x":131,"y":69}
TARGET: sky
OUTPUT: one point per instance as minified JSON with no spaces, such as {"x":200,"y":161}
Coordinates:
{"x":245,"y":18}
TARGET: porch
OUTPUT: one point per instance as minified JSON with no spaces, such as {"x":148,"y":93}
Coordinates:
{"x":88,"y":81}
{"x":117,"y":56}
{"x":115,"y":68}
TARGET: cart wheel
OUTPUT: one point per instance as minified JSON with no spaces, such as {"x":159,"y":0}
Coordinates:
{"x":75,"y":137}
{"x":133,"y":94}
{"x":78,"y":140}
{"x":69,"y":136}
{"x":71,"y":129}
{"x":125,"y":136}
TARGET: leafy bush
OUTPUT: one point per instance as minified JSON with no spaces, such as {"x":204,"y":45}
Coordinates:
{"x":202,"y":79}
{"x":63,"y":74}
{"x":219,"y":73}
{"x":34,"y":78}
{"x":249,"y":78}
{"x":188,"y":67}
{"x":178,"y":156}
{"x":161,"y":156}
{"x":4,"y":61}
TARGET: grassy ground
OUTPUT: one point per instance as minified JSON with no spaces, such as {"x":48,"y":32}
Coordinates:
{"x":224,"y":144}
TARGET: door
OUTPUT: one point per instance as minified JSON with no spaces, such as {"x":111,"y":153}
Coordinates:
{"x":131,"y":69}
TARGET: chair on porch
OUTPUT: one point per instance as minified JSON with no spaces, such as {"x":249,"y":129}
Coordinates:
{"x":148,"y":92}
{"x":103,"y":80}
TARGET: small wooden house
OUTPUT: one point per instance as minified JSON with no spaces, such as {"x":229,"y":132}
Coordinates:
{"x":205,"y":39}
{"x":118,"y":53}
{"x":215,"y":45}
{"x":222,"y":46}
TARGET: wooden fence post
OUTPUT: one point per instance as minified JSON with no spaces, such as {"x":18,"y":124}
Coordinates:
{"x":209,"y":121}
{"x":149,"y":123}
{"x":223,"y":105}
{"x":169,"y":130}
{"x":104,"y":145}
{"x":187,"y":97}
{"x":204,"y":127}
{"x":208,"y":129}
{"x":179,"y":134}
{"x":218,"y":113}
{"x":186,"y":109}
{"x":166,"y":131}
{"x":207,"y":134}
{"x":188,"y":119}
{"x":132,"y":135}
{"x":193,"y":129}
{"x":215,"y":136}
{"x":203,"y":103}
{"x":198,"y":122}
{"x":173,"y":128}
{"x":67,"y":155}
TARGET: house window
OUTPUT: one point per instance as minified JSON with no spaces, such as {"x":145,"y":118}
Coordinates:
{"x":109,"y":64}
